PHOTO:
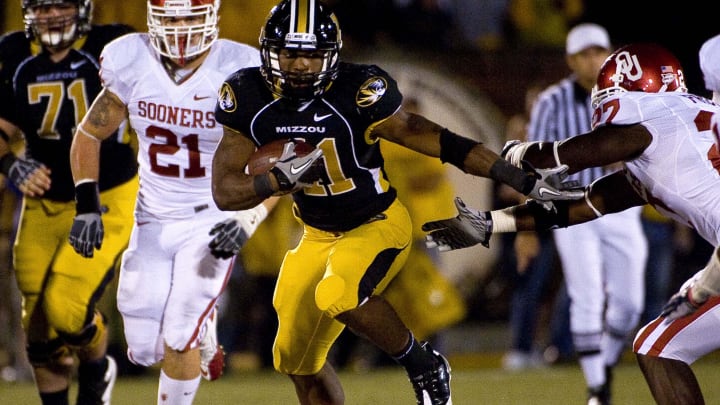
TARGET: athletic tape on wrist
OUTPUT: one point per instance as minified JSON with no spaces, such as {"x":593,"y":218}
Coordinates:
{"x":555,"y":153}
{"x":503,"y":220}
{"x":590,"y":204}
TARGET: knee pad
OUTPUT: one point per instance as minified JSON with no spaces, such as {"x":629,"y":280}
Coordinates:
{"x":90,"y":336}
{"x":52,"y":354}
{"x":329,"y":292}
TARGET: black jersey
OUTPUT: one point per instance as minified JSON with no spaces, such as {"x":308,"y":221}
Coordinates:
{"x":355,"y":187}
{"x":47,"y":100}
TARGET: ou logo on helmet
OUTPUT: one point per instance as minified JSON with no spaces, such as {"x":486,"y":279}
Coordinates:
{"x":627,"y":67}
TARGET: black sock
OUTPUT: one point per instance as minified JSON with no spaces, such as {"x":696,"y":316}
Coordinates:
{"x":414,"y":358}
{"x":55,"y":398}
{"x":93,"y":367}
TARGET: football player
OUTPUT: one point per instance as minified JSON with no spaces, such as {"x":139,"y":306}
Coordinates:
{"x":356,"y":233}
{"x":166,"y":82}
{"x":48,"y":78}
{"x":644,"y":117}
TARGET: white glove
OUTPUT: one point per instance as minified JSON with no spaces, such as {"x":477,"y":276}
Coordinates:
{"x":294,"y":172}
{"x":469,"y":228}
{"x":683,"y":302}
{"x":551,"y":184}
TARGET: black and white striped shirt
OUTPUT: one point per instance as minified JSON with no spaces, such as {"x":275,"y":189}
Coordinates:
{"x":560,"y":112}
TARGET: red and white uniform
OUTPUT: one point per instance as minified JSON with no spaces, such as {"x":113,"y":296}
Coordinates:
{"x":678,"y":174}
{"x":169,"y":280}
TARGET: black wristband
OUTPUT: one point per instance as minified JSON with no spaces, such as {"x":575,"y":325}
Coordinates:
{"x":263,"y":185}
{"x":6,"y":161}
{"x":550,"y":219}
{"x":4,"y":136}
{"x":455,"y":148}
{"x":283,"y":182}
{"x":505,"y":172}
{"x":87,"y":197}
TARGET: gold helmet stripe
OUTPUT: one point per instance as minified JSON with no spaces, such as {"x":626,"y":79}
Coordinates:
{"x":302,"y":16}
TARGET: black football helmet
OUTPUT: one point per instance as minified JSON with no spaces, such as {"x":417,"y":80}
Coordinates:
{"x":59,"y":32}
{"x":643,"y":67}
{"x":300,"y":25}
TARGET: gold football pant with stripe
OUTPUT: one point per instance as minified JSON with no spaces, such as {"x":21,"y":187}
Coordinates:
{"x":60,"y":287}
{"x":329,"y":273}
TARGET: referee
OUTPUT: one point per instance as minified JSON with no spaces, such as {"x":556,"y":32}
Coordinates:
{"x":603,"y":260}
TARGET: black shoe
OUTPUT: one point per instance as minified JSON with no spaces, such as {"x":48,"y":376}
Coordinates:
{"x":95,"y":388}
{"x":433,"y":386}
{"x":599,"y":395}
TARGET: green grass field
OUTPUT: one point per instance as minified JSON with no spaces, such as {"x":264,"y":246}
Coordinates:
{"x":558,"y":385}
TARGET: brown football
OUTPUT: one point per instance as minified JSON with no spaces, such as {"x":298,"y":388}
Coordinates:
{"x":265,"y":157}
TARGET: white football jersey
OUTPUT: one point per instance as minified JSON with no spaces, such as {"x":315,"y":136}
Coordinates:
{"x":175,"y":123}
{"x":678,"y":172}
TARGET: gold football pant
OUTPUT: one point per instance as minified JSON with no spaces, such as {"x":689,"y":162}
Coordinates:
{"x":60,"y":287}
{"x":329,"y":273}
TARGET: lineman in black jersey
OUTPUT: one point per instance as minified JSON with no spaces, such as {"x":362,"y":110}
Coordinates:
{"x":356,"y":233}
{"x":48,"y":78}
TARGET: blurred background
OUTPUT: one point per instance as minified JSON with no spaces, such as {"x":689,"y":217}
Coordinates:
{"x":466,"y":64}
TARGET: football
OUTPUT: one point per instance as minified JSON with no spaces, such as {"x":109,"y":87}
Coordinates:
{"x":265,"y":157}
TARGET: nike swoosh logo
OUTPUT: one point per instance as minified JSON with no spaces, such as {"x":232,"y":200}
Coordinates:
{"x":299,"y":169}
{"x":542,"y":191}
{"x":75,"y":65}
{"x":198,"y":98}
{"x":141,"y":223}
{"x":318,"y":118}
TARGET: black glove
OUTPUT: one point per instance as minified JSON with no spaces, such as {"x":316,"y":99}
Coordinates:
{"x":229,"y":238}
{"x":469,"y":228}
{"x":17,"y":169}
{"x":87,"y":231}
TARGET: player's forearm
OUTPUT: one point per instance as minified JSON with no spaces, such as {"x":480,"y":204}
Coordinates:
{"x":85,"y":158}
{"x":534,"y":216}
{"x":235,"y":192}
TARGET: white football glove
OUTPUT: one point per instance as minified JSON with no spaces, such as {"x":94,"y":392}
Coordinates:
{"x":550,"y":184}
{"x":683,"y":302}
{"x":469,"y":228}
{"x":294,"y":172}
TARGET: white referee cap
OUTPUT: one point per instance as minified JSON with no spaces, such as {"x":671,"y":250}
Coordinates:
{"x":584,"y":36}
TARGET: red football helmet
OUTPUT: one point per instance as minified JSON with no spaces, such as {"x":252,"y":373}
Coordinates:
{"x":181,"y":41}
{"x":643,"y":67}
